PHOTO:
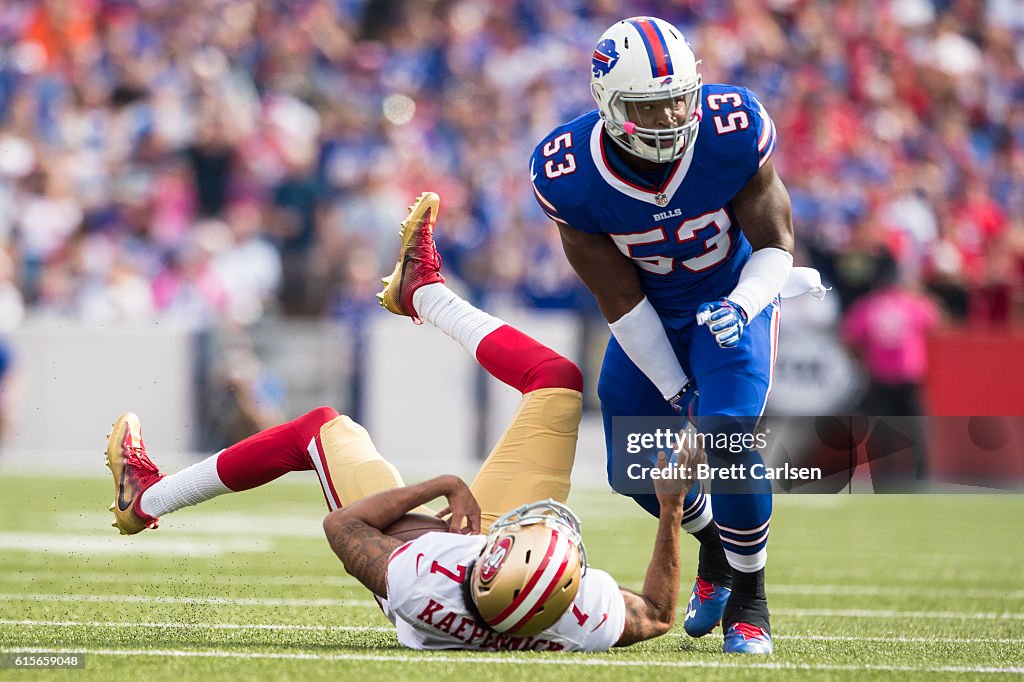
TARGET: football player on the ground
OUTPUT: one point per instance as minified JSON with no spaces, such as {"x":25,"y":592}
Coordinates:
{"x":525,"y":585}
{"x":670,"y":211}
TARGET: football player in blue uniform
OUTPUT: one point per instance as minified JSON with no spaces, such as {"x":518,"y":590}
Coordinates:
{"x":671,"y":212}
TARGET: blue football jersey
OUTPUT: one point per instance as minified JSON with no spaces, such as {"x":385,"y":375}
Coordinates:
{"x":682,"y":236}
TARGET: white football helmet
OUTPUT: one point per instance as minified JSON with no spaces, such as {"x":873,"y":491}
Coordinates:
{"x":645,"y":60}
{"x":530,"y":568}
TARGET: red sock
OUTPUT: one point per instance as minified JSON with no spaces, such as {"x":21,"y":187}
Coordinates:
{"x":270,"y":454}
{"x":523,"y":363}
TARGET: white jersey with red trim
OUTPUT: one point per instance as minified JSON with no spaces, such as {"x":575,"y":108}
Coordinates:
{"x":426,"y":602}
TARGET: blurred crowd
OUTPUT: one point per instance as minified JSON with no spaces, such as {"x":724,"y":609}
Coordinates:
{"x":209,"y":160}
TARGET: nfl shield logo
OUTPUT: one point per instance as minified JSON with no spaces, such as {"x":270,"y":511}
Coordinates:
{"x":661,"y":200}
{"x":605,"y":57}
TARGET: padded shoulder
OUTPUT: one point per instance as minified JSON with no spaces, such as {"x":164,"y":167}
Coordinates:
{"x":563,"y":173}
{"x":737,"y":136}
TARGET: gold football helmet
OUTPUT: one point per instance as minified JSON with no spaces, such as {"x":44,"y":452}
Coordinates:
{"x":530,"y":568}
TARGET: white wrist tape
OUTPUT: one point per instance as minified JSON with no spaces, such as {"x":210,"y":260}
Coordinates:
{"x":804,"y":281}
{"x":642,"y":336}
{"x":761,"y":280}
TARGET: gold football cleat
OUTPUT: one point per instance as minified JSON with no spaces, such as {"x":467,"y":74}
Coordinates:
{"x":418,"y":261}
{"x":133,"y":473}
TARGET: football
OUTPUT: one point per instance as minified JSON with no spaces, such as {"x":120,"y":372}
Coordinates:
{"x":411,"y":526}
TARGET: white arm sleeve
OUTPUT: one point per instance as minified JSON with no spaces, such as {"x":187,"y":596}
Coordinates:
{"x":642,"y":336}
{"x":761,"y":280}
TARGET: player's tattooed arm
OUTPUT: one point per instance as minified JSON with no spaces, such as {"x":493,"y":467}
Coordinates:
{"x":355,"y":531}
{"x":364,"y":550}
{"x":609,"y":275}
{"x":652,"y":613}
{"x":642,"y":619}
{"x":764,"y":212}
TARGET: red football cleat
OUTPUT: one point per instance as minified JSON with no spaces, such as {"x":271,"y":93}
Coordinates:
{"x":418,"y":262}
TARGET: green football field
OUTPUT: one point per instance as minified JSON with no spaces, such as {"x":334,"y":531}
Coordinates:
{"x":245,"y":588}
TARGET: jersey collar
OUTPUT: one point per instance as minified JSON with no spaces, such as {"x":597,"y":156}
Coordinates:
{"x":658,"y":197}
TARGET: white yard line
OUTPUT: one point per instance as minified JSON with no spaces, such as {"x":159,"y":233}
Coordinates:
{"x":222,"y":524}
{"x":373,"y":628}
{"x":491,"y":659}
{"x":272,"y":601}
{"x":890,"y":613}
{"x":304,"y":581}
{"x":890,"y":591}
{"x":214,"y":601}
{"x":55,"y":543}
{"x":200,"y":626}
{"x":902,"y":640}
{"x":308,"y":581}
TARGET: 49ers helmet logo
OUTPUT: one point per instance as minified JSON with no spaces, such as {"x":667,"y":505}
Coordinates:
{"x":495,"y":558}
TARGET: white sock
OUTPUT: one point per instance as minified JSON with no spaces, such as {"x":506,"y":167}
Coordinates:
{"x":441,"y":307}
{"x":695,"y":524}
{"x":197,"y":483}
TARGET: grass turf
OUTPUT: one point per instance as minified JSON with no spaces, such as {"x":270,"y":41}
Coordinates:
{"x":245,"y":586}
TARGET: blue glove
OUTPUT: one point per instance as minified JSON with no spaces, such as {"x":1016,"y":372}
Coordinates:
{"x":725,"y":320}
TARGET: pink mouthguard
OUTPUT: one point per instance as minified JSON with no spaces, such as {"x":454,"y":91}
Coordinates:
{"x":629,"y":127}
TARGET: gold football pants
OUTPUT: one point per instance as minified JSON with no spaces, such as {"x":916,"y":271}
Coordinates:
{"x":532,"y":460}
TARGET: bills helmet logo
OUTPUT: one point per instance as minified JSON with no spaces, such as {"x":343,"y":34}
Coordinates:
{"x":495,"y":558}
{"x":605,"y":57}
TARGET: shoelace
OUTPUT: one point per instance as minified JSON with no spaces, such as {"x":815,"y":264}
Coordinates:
{"x":426,"y":250}
{"x":143,"y":467}
{"x":705,"y":590}
{"x":748,"y":631}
